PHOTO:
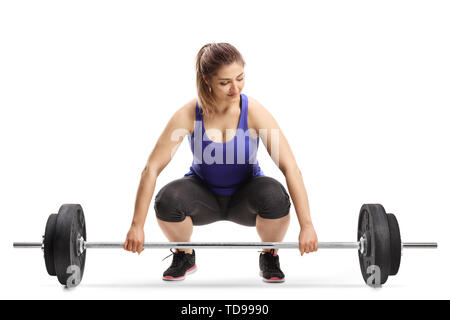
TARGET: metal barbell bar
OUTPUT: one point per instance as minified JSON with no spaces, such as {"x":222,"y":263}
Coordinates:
{"x":379,"y":244}
{"x":229,"y":245}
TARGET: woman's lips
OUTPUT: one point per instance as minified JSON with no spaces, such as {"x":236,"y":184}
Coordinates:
{"x":232,"y":95}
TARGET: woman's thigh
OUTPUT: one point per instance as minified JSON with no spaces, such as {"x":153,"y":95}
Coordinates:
{"x":187,"y":196}
{"x":264,"y":196}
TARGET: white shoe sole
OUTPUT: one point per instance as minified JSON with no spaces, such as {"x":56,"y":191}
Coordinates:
{"x":271,"y":280}
{"x":189,"y":271}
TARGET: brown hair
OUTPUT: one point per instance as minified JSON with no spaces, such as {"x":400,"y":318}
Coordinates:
{"x":210,"y":58}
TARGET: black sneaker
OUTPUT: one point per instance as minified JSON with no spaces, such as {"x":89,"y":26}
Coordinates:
{"x":182,"y":264}
{"x":269,"y":267}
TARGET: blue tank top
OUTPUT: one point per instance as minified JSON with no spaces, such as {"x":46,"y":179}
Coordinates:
{"x":223,"y":167}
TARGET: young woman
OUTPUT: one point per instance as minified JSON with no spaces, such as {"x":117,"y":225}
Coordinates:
{"x":225,"y":181}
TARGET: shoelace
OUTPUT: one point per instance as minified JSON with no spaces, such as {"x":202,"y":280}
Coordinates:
{"x":173,"y":253}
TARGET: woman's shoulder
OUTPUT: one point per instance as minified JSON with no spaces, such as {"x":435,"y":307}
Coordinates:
{"x":184,"y":117}
{"x":253,"y":112}
{"x":253,"y":105}
{"x":188,"y":112}
{"x":258,"y":117}
{"x":189,"y":107}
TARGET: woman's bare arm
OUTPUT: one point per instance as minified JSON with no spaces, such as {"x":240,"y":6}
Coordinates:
{"x":180,"y":124}
{"x":281,"y":153}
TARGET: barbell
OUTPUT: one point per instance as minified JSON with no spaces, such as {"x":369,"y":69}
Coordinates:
{"x":378,"y":243}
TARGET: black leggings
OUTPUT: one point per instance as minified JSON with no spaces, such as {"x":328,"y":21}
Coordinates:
{"x":189,"y":196}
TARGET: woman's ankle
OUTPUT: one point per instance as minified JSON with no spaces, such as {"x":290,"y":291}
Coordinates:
{"x":188,"y":251}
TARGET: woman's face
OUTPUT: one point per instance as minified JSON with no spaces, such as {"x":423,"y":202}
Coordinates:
{"x":228,"y":83}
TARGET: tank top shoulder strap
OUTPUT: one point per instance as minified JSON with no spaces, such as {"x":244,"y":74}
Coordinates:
{"x":198,"y":112}
{"x":198,"y":121}
{"x":244,"y":110}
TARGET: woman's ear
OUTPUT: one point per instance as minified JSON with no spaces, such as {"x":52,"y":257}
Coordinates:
{"x":206,"y":80}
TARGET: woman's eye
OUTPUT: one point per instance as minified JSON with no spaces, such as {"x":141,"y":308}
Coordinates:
{"x":225,"y":83}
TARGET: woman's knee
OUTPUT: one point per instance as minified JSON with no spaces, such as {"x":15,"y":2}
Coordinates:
{"x":272,"y":199}
{"x":170,"y":201}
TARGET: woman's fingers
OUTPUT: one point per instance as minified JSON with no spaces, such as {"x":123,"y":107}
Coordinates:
{"x":130,"y":245}
{"x":302,"y":248}
{"x":308,"y":247}
{"x":135,"y":246}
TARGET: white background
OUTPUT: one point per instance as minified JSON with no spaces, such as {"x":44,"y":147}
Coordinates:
{"x":359,"y":88}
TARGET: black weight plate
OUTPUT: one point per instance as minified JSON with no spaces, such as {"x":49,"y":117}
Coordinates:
{"x":374,"y":224}
{"x":69,"y":264}
{"x":396,"y":244}
{"x":49,"y":237}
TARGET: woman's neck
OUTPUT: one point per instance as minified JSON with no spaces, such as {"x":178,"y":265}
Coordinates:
{"x":221,"y":108}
